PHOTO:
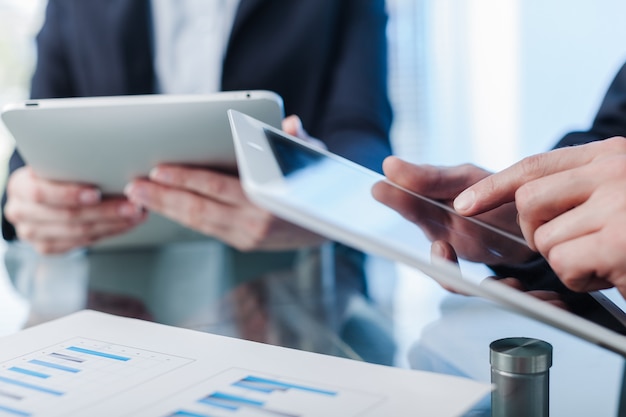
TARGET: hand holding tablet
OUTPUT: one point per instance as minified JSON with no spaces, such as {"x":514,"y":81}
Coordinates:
{"x":460,"y":232}
{"x":342,"y":201}
{"x":571,"y":209}
{"x":214,"y":204}
{"x":56,"y":217}
{"x":96,"y":146}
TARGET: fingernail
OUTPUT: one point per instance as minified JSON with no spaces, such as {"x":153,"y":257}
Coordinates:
{"x":89,"y":196}
{"x":464,"y":201}
{"x":130,"y":210}
{"x":135,"y":191}
{"x":299,"y":127}
{"x":437,"y":249}
{"x":159,"y":174}
{"x":128,"y":190}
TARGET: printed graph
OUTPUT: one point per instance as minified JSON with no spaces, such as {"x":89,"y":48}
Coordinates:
{"x":71,"y":375}
{"x":246,"y":393}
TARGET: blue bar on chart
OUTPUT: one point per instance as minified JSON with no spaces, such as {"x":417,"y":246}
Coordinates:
{"x":183,"y":413}
{"x":30,"y":386}
{"x":14,"y":412}
{"x":229,"y":402}
{"x":28,"y":372}
{"x":253,"y":393}
{"x":54,"y":366}
{"x":98,"y":353}
{"x":234,"y":403}
{"x":268,"y":386}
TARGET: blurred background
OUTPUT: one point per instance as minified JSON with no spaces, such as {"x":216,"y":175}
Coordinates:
{"x":490,"y":81}
{"x":482,"y":81}
{"x":19,"y":22}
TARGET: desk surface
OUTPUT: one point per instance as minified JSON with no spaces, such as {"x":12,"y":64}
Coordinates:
{"x":403,"y":320}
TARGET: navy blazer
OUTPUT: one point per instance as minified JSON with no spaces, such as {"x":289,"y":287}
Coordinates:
{"x":326,"y":58}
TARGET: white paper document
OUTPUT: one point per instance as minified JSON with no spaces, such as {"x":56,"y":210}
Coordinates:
{"x":94,"y":364}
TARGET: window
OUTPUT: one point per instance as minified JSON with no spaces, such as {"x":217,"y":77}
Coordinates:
{"x":489,"y":82}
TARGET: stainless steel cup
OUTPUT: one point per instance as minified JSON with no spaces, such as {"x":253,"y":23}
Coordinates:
{"x":520,"y":371}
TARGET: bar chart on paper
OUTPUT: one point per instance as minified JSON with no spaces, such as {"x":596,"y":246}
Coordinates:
{"x":246,"y":393}
{"x":74,"y":374}
{"x":98,"y":365}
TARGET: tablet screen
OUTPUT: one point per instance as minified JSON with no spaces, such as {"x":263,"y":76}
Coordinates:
{"x":365,"y":203}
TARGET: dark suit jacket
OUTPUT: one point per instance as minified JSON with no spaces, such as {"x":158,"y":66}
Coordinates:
{"x":326,"y":58}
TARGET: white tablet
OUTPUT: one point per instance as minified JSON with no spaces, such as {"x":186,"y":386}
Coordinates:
{"x":108,"y":141}
{"x":353,"y":205}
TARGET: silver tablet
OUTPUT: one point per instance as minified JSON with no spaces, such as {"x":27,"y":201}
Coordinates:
{"x":351,"y":204}
{"x":108,"y":141}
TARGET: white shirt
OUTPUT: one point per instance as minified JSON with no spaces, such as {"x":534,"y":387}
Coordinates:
{"x":191,"y":37}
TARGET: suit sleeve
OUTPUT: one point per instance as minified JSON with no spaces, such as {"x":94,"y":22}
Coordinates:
{"x":51,"y":79}
{"x":611,"y":117}
{"x":357,"y":112}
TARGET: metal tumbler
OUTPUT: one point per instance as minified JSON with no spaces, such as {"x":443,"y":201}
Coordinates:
{"x":520,"y":371}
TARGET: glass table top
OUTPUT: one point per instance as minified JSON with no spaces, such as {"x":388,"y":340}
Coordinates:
{"x":393,"y":316}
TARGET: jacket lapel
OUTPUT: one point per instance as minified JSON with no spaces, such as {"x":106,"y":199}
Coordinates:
{"x":138,"y":48}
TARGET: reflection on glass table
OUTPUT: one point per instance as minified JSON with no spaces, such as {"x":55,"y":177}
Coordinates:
{"x":395,"y":316}
{"x":296,"y":306}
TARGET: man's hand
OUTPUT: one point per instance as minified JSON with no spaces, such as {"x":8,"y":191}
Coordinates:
{"x":572,"y":209}
{"x":214,"y":203}
{"x":56,"y":217}
{"x":443,"y":185}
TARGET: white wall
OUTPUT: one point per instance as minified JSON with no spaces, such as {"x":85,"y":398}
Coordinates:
{"x":570,"y":52}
